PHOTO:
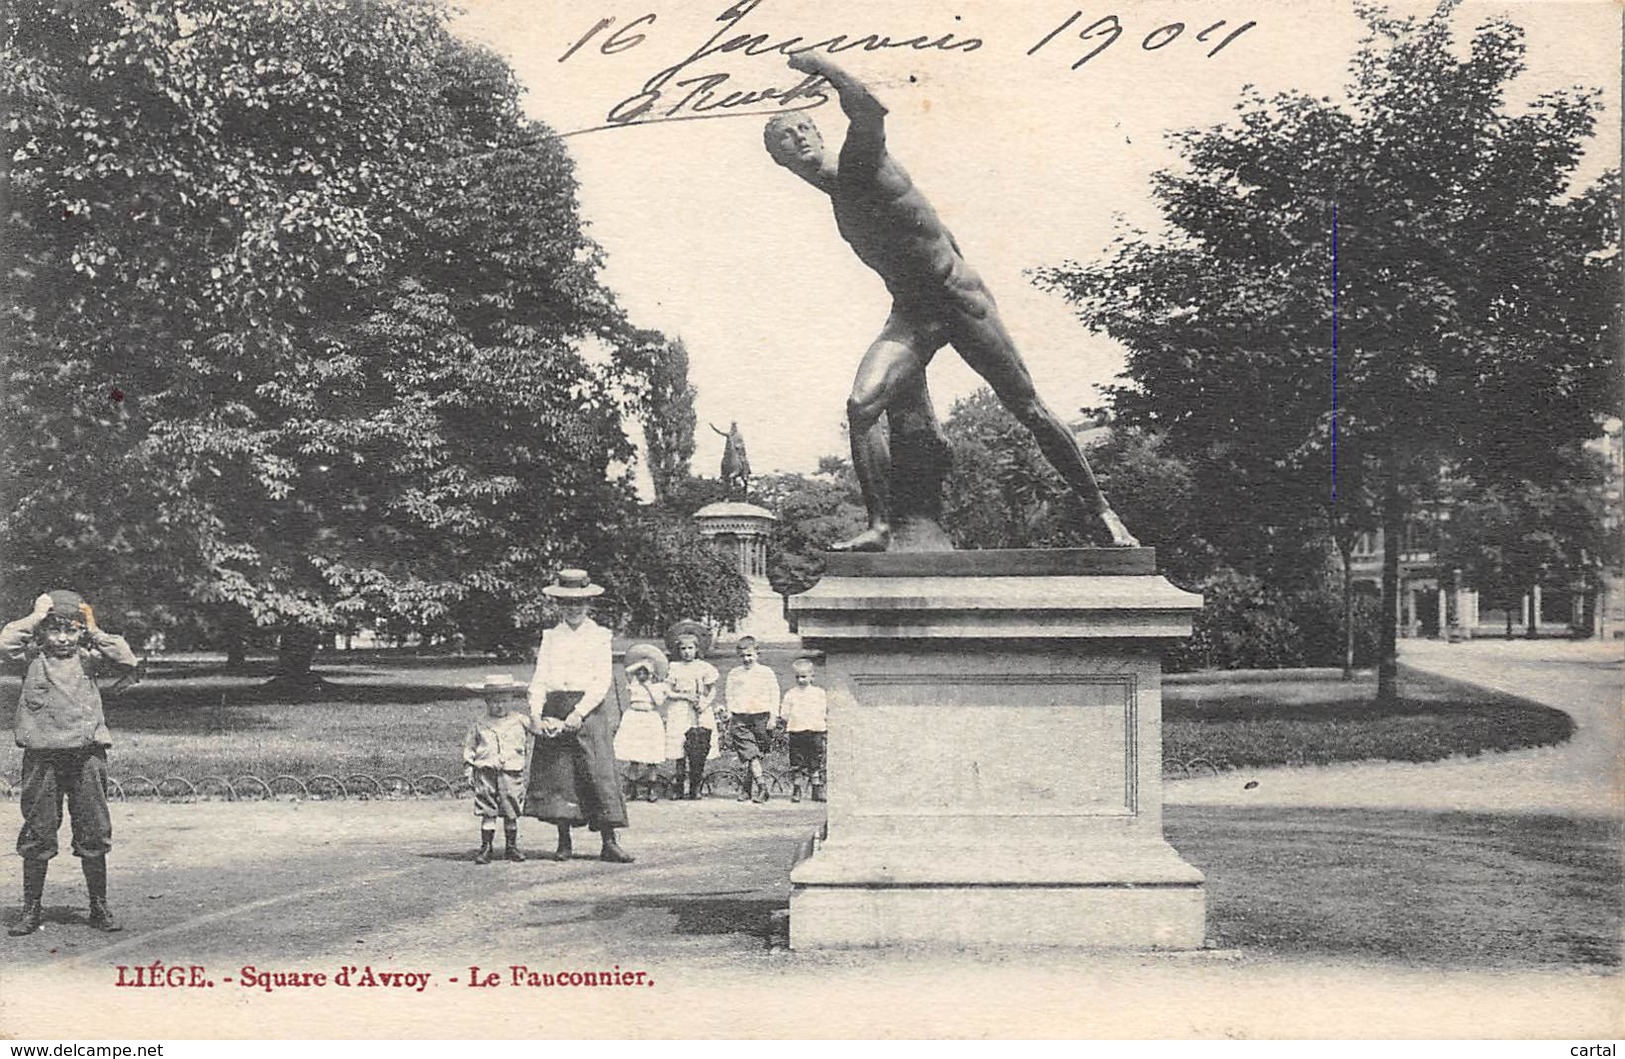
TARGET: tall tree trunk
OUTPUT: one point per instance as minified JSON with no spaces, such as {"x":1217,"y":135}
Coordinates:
{"x":296,"y":653}
{"x":1588,"y":603}
{"x":1345,"y":550}
{"x":235,"y":639}
{"x":1393,"y":533}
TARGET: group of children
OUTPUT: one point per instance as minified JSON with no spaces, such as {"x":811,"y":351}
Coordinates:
{"x":686,"y":736}
{"x":671,"y":717}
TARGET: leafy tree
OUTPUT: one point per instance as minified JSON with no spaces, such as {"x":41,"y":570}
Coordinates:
{"x":1477,"y":296}
{"x":814,"y":511}
{"x":296,"y":319}
{"x":665,"y":406}
{"x":687,"y":494}
{"x":1156,"y":493}
{"x":1246,"y":623}
{"x":659,"y":570}
{"x":1002,"y":493}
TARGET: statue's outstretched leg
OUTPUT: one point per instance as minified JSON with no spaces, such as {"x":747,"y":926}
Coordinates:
{"x":1112,"y":533}
{"x":892,"y":370}
{"x":980,"y":338}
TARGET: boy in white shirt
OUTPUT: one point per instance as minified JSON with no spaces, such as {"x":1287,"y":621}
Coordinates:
{"x":804,"y":710}
{"x":753,"y":704}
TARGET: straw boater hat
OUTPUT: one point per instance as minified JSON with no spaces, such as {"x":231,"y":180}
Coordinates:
{"x":646,"y":656}
{"x":497,"y":684}
{"x":573,"y":584}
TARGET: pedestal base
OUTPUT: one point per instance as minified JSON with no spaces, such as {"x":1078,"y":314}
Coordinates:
{"x":765,"y":622}
{"x":995,"y":755}
{"x":1140,"y":896}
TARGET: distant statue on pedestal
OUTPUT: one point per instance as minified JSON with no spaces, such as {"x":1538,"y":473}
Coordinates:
{"x":937,"y":300}
{"x":735,"y":463}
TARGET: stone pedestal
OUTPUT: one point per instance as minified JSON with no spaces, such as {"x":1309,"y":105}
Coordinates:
{"x":994,"y":753}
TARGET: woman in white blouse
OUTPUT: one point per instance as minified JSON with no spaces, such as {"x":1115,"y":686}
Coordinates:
{"x":573,"y":779}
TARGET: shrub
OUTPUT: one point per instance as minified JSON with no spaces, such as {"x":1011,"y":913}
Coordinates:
{"x":1247,"y":624}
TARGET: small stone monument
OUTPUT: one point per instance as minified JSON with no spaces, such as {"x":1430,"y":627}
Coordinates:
{"x":741,"y":529}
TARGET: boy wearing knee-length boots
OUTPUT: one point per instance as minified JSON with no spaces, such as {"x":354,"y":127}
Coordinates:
{"x":64,"y":739}
{"x":495,"y":763}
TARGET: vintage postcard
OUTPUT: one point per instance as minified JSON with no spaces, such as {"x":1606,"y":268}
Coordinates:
{"x":367,"y":372}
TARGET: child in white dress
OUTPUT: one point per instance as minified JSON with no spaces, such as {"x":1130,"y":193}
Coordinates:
{"x":641,"y":740}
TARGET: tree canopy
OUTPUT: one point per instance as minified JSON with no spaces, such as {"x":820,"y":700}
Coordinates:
{"x":1476,"y":295}
{"x":1003,"y":493}
{"x":1509,"y":536}
{"x":814,"y":511}
{"x":300,"y":319}
{"x":664,"y":402}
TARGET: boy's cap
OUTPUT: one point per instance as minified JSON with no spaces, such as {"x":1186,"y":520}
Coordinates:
{"x":497,"y":684}
{"x":803,"y":665}
{"x":65,"y":603}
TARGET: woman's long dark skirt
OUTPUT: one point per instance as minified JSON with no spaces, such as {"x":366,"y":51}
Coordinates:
{"x":573,"y":778}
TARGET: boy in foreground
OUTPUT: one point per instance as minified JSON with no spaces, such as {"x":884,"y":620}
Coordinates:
{"x":64,"y":739}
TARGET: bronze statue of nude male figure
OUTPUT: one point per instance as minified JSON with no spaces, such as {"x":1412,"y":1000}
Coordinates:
{"x":937,"y":300}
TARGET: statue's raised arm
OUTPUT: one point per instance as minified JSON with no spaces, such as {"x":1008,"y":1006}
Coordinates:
{"x":866,"y":115}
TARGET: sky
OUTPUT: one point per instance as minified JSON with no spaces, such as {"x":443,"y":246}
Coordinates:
{"x":1028,"y":161}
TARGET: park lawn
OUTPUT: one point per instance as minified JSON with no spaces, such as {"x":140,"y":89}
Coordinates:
{"x":395,"y":715}
{"x":1426,"y":888}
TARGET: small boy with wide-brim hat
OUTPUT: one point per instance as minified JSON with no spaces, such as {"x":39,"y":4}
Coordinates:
{"x":496,"y":762}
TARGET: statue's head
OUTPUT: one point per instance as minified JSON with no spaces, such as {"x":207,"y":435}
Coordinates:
{"x":795,"y":143}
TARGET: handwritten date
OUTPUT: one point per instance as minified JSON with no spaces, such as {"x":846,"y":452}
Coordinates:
{"x":1108,"y":28}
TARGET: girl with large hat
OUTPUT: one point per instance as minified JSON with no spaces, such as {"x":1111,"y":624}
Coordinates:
{"x":573,"y":778}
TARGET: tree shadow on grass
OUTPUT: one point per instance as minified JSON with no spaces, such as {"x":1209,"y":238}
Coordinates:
{"x":1309,"y":722}
{"x":226,"y":706}
{"x":250,"y":691}
{"x":744,"y":913}
{"x":1257,"y":707}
